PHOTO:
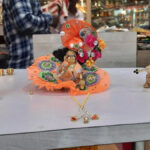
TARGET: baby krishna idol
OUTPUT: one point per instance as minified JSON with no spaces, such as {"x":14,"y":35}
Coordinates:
{"x":72,"y":67}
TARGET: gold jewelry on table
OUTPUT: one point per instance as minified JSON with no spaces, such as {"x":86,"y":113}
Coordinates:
{"x":10,"y":71}
{"x":31,"y":92}
{"x":83,"y":113}
{"x":2,"y":72}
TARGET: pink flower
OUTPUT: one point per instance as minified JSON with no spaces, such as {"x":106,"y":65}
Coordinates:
{"x":90,"y":40}
{"x":82,"y":58}
{"x":96,"y":54}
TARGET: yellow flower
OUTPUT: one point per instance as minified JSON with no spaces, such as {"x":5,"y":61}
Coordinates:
{"x":90,"y":62}
{"x":101,"y":44}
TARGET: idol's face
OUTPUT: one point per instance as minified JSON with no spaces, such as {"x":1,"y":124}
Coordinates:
{"x":70,"y":57}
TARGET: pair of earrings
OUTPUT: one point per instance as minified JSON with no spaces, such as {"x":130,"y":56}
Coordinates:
{"x":9,"y":71}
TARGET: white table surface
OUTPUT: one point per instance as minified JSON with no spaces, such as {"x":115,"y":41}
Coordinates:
{"x":124,"y":104}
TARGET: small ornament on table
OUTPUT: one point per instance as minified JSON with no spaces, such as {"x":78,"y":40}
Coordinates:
{"x":146,"y":69}
{"x":2,"y":72}
{"x":86,"y":119}
{"x":83,"y":113}
{"x":74,"y":118}
{"x":81,"y":82}
{"x":95,"y":117}
{"x":10,"y":71}
{"x":31,"y":92}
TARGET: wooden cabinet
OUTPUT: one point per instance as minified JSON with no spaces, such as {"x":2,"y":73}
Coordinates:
{"x":143,"y":49}
{"x":143,"y":58}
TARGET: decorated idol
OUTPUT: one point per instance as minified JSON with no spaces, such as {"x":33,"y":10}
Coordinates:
{"x":72,"y":67}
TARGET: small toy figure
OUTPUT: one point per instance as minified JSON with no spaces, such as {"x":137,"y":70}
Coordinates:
{"x":146,"y":69}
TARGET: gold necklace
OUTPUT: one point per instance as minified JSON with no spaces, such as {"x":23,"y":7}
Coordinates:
{"x":83,"y":113}
{"x":72,"y":67}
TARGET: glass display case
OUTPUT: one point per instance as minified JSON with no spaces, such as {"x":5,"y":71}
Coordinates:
{"x":121,"y":13}
{"x":85,"y":7}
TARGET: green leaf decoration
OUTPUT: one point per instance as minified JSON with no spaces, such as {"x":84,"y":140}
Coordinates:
{"x":97,"y":48}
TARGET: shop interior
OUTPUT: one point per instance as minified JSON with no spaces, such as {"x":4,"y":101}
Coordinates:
{"x":124,"y":25}
{"x":121,"y":13}
{"x":115,"y":16}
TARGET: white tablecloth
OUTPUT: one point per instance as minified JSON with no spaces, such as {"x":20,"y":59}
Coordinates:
{"x":125,"y":102}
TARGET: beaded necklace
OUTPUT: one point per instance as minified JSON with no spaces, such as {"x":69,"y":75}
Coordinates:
{"x":83,"y":113}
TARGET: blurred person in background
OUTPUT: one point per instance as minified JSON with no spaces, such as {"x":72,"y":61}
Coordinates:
{"x":73,"y":12}
{"x":21,"y":19}
{"x":66,"y":10}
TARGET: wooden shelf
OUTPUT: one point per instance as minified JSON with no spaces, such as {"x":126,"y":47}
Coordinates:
{"x":143,"y":58}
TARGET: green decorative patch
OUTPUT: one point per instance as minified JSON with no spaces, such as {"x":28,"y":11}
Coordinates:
{"x":47,"y":76}
{"x":76,"y":46}
{"x":89,"y":69}
{"x":54,"y":59}
{"x":91,"y":79}
{"x":80,"y":51}
{"x":93,"y":33}
{"x":46,"y":65}
{"x":67,"y":26}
